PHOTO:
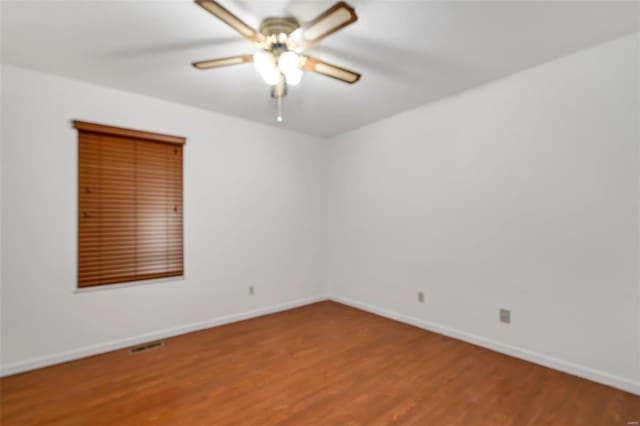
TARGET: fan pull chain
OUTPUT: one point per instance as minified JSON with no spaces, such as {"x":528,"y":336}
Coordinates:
{"x":279,"y":108}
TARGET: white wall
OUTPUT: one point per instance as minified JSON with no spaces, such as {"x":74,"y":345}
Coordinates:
{"x":521,"y":194}
{"x":253,"y":203}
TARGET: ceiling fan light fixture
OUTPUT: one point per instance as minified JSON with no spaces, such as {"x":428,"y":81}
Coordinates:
{"x":281,"y":41}
{"x":266,"y":65}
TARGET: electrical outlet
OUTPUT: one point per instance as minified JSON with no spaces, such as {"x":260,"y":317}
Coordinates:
{"x":505,"y":316}
{"x":421,"y":297}
{"x":251,"y":290}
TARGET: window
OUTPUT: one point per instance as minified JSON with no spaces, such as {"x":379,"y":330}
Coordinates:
{"x":130,"y":205}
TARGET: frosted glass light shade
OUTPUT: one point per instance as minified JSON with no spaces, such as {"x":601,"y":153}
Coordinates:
{"x":266,"y":65}
{"x":289,"y":64}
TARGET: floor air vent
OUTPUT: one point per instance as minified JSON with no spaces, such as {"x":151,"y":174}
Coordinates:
{"x":145,"y":347}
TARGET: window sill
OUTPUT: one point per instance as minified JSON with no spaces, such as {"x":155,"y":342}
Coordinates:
{"x":129,"y":284}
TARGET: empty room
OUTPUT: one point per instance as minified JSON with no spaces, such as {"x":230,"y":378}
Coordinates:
{"x":310,"y":212}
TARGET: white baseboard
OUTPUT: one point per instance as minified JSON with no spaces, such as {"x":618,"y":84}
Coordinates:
{"x":537,"y":358}
{"x":557,"y":364}
{"x":57,"y":358}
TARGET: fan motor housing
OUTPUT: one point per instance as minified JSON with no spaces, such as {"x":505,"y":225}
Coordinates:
{"x":275,"y":26}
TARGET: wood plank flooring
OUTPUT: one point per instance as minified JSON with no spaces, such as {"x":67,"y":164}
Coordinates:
{"x":322,"y":364}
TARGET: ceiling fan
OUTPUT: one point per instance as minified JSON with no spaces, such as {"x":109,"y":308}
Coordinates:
{"x":282,"y":42}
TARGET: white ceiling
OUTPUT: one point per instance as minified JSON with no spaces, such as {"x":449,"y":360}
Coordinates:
{"x":409,"y":52}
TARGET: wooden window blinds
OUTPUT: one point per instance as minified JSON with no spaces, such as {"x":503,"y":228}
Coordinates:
{"x":130,"y":205}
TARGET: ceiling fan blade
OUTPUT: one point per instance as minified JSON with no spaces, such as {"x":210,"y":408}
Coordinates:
{"x":331,"y":20}
{"x":232,"y":20}
{"x":342,"y":74}
{"x":222,"y":62}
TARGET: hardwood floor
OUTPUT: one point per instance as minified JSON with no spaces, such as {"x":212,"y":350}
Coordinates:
{"x":323,"y":364}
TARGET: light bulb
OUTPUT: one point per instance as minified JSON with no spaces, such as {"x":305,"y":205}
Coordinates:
{"x":289,"y":64}
{"x":266,"y":65}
